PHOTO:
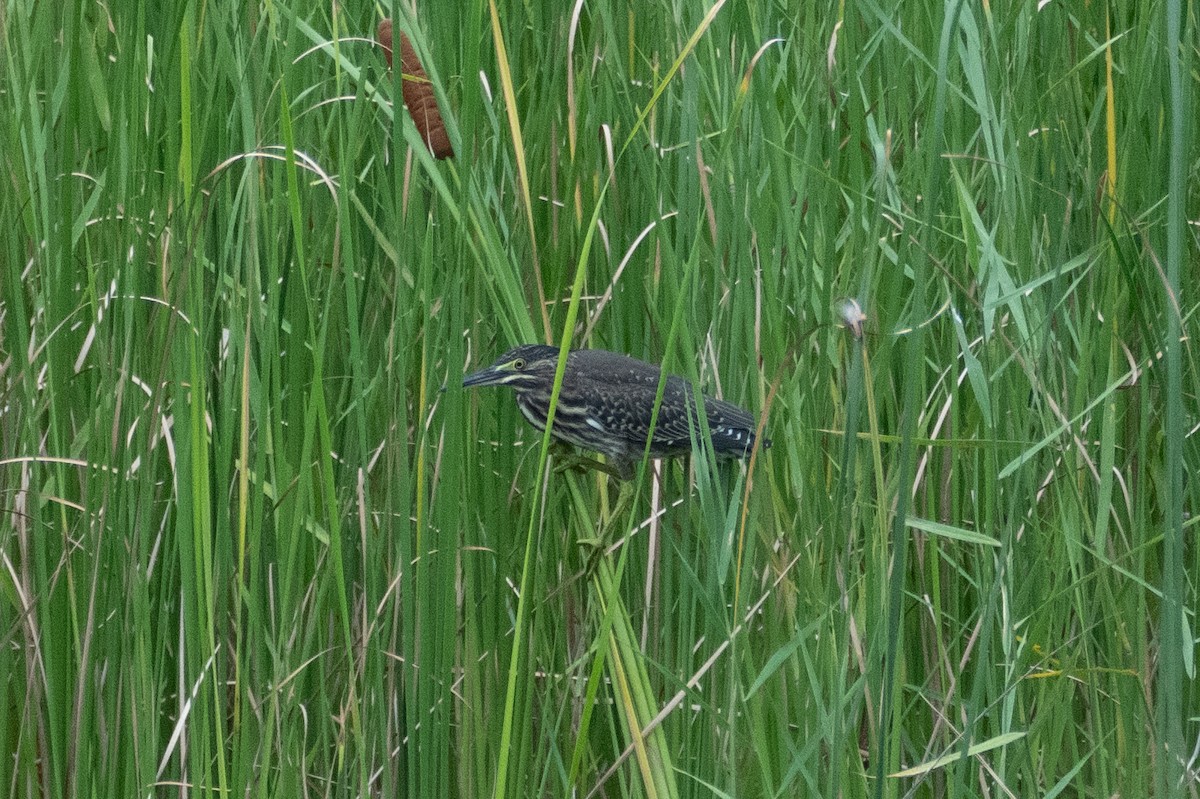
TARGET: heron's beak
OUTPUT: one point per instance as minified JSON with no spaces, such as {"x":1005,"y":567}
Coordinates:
{"x":484,"y":377}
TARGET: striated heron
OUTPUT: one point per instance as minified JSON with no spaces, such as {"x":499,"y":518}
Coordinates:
{"x":607,"y":401}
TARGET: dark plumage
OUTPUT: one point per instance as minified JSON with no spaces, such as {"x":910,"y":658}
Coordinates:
{"x":607,"y":401}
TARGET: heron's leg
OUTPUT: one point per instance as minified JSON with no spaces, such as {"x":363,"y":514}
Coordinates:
{"x":608,"y":527}
{"x":582,"y":463}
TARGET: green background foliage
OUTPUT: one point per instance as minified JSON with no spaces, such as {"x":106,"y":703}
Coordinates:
{"x":249,"y":548}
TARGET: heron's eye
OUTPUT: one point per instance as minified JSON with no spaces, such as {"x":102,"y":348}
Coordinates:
{"x":519,"y":364}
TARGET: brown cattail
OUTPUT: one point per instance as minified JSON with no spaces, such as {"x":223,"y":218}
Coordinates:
{"x":418,"y":93}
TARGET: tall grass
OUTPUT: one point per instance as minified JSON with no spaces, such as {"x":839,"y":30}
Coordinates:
{"x":251,"y":547}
